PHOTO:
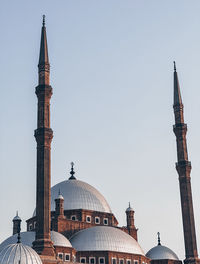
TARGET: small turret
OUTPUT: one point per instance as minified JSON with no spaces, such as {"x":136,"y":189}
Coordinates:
{"x":130,"y":216}
{"x":59,"y":206}
{"x":130,"y":222}
{"x":16,"y":224}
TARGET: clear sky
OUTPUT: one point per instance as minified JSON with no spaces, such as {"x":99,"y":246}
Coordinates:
{"x":111,"y":111}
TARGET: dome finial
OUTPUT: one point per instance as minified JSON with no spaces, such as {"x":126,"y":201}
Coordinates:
{"x":129,"y":204}
{"x":158,"y":238}
{"x":43,"y":21}
{"x":72,"y":172}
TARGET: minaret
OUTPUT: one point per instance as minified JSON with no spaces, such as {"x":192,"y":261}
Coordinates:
{"x":43,"y":134}
{"x":183,"y":167}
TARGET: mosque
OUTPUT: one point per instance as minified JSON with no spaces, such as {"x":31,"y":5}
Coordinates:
{"x":73,"y":222}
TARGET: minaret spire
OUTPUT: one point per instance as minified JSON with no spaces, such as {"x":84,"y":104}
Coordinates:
{"x":43,"y":134}
{"x":183,"y":167}
{"x":43,"y":59}
{"x":43,"y":21}
{"x":177,"y":93}
{"x":174,"y":65}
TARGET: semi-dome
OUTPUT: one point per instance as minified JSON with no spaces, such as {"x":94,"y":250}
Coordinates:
{"x":161,"y":252}
{"x":105,"y":238}
{"x":19,"y":253}
{"x":79,"y":195}
{"x":27,"y":238}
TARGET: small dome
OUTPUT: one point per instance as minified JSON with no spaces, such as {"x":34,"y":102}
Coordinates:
{"x":27,"y":238}
{"x":79,"y":195}
{"x":19,"y":253}
{"x":161,"y":252}
{"x":105,"y":238}
{"x":17,"y":218}
{"x":60,"y":197}
{"x":129,"y":209}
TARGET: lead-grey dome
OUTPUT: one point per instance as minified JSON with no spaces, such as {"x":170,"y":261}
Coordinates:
{"x":161,"y":252}
{"x":79,"y":195}
{"x":105,"y":238}
{"x":19,"y":253}
{"x":17,"y":218}
{"x":129,"y":209}
{"x":27,"y":238}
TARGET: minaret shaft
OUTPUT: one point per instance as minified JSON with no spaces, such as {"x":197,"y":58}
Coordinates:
{"x":43,"y":134}
{"x":180,"y":130}
{"x":44,"y":106}
{"x":183,"y":167}
{"x":188,"y":217}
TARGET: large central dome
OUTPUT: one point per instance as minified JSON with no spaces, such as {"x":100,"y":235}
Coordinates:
{"x":79,"y":195}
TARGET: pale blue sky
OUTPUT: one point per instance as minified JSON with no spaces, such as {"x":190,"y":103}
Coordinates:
{"x":111,"y":71}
